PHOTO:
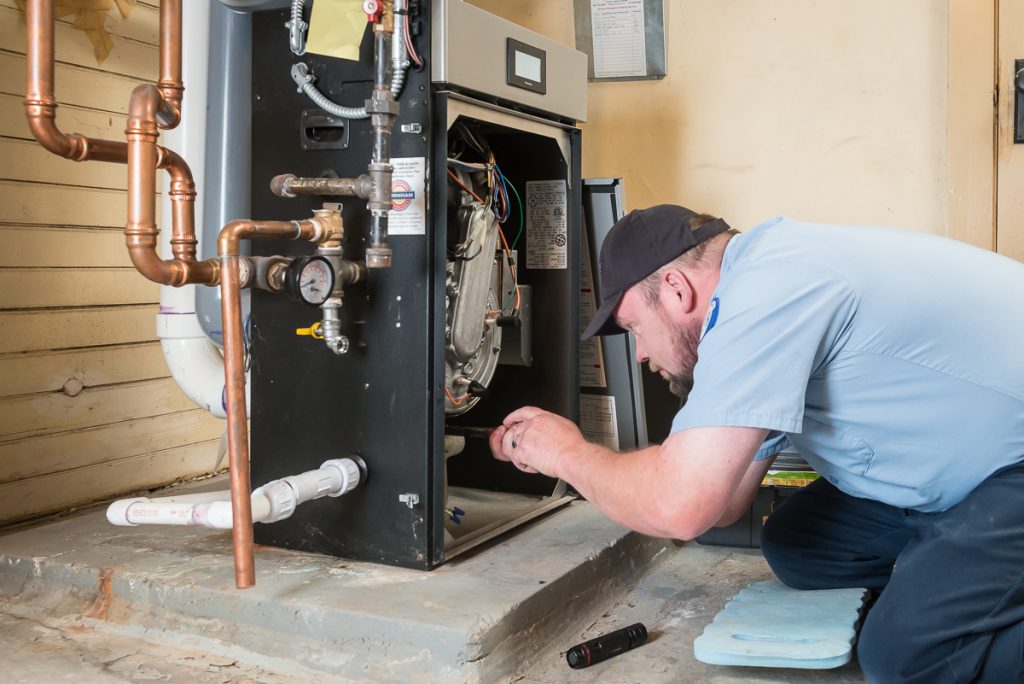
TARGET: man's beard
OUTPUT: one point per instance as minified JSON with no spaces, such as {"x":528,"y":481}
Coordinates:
{"x":684,"y":346}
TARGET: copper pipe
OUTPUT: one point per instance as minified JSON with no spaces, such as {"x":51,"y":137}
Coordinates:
{"x":170,"y":84}
{"x":149,"y":108}
{"x":141,"y":232}
{"x":318,"y":229}
{"x":238,"y":428}
{"x":41,"y":105}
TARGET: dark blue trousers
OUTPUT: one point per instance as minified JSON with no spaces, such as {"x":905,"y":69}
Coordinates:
{"x":951,"y":607}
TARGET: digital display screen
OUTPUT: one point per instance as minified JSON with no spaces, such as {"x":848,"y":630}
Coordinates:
{"x":528,"y":66}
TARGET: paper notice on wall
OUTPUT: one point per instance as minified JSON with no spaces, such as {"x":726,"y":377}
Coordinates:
{"x":408,"y":215}
{"x":591,"y":351}
{"x":336,"y":28}
{"x":620,"y":44}
{"x":597,"y":420}
{"x":547,"y":234}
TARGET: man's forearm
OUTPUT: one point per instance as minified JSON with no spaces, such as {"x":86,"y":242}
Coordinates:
{"x":618,"y":484}
{"x":665,"y":490}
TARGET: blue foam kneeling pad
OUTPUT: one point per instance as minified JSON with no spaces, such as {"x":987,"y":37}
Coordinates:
{"x":768,"y":624}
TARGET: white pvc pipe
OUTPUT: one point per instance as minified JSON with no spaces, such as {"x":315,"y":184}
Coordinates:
{"x":195,"y":362}
{"x":273,"y":501}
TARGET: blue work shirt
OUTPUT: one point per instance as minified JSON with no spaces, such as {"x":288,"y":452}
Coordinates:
{"x":892,"y":361}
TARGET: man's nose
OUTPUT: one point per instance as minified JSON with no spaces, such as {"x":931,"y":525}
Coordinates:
{"x":641,"y":354}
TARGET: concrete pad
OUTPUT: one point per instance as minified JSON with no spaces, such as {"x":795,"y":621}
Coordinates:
{"x":676,"y":600}
{"x":478,"y":618}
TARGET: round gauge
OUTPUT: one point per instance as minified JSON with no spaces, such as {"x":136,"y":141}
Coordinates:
{"x":311,"y":279}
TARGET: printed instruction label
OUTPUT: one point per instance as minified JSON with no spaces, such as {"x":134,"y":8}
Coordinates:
{"x":547,"y":234}
{"x":597,"y":420}
{"x":591,"y":351}
{"x":408,"y":215}
{"x":620,"y":44}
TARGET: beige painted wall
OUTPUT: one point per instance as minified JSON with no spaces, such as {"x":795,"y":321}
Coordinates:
{"x":87,"y":409}
{"x":825,"y":111}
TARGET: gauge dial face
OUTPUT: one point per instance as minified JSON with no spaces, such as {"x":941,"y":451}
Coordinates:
{"x":316,"y":280}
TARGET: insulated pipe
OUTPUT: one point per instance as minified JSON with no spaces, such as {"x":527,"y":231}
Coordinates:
{"x":317,"y":229}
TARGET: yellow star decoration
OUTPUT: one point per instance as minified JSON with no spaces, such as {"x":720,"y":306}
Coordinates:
{"x":90,"y":17}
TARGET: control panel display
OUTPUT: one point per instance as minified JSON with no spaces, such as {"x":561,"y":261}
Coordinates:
{"x":526,"y":67}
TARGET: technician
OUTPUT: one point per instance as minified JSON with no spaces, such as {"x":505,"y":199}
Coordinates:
{"x":892,"y":361}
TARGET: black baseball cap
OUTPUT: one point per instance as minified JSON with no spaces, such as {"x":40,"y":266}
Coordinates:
{"x":639,"y":244}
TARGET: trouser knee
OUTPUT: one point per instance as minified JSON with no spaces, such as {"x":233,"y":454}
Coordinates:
{"x":883,"y":651}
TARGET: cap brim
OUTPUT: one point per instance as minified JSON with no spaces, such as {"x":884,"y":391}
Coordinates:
{"x":604,"y":319}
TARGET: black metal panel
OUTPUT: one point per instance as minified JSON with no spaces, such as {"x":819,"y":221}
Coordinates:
{"x":309,"y":405}
{"x":384,"y":400}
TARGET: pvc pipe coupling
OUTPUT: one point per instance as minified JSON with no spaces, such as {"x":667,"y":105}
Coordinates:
{"x":335,"y":477}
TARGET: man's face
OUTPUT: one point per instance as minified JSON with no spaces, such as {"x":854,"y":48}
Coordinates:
{"x":666,"y":342}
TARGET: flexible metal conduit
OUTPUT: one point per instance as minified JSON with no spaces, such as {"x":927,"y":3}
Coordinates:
{"x":399,"y":58}
{"x":375,"y":185}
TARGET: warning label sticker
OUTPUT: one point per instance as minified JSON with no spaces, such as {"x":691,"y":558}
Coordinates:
{"x":597,"y":420}
{"x":408,"y":215}
{"x":546,"y":225}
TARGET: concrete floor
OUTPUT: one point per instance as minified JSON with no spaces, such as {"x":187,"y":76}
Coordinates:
{"x":82,"y":601}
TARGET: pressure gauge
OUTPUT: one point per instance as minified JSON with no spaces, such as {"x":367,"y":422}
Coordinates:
{"x":311,"y":279}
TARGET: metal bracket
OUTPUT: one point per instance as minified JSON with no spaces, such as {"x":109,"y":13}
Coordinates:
{"x":409,"y":499}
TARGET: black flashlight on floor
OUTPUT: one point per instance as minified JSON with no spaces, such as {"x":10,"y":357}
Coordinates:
{"x":606,"y":646}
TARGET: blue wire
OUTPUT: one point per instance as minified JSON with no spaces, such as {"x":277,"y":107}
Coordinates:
{"x":522,"y":219}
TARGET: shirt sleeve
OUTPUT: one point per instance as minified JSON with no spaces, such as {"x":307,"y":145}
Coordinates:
{"x":773,"y":444}
{"x":770,"y":329}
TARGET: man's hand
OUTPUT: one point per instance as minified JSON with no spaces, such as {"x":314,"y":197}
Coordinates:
{"x":535,"y":440}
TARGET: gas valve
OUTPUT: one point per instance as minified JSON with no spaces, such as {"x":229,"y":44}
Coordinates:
{"x":373,"y":10}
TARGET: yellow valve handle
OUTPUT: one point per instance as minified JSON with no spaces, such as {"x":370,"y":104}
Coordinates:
{"x":313,"y":331}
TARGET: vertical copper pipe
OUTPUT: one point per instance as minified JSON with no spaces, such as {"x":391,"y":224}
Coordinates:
{"x":234,"y":371}
{"x":183,"y":200}
{"x":170,"y":84}
{"x":237,"y":429}
{"x":141,"y":232}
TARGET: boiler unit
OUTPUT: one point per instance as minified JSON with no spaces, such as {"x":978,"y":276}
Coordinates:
{"x":413,"y":263}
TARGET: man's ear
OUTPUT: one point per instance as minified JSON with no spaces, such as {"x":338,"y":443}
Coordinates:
{"x":679,"y":290}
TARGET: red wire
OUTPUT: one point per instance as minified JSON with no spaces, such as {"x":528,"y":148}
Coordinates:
{"x":408,"y":44}
{"x":463,"y":186}
{"x":452,"y":399}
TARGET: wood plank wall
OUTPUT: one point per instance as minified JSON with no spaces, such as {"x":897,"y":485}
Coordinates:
{"x":87,"y":408}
